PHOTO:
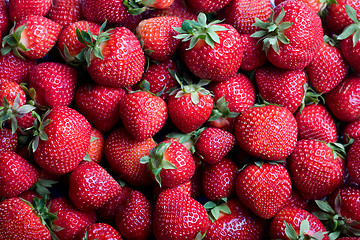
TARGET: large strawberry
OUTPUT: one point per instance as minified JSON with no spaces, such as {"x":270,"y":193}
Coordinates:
{"x":99,"y":231}
{"x":207,"y":6}
{"x":353,"y":162}
{"x":18,"y":9}
{"x":65,"y":12}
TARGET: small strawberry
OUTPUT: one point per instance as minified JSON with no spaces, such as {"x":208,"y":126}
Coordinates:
{"x":353,"y":161}
{"x":14,"y":68}
{"x":18,"y":9}
{"x":207,"y":6}
{"x":337,"y":18}
{"x":95,"y":151}
{"x":99,"y":231}
{"x":8,"y":140}
{"x":65,"y":12}
{"x":254,"y":56}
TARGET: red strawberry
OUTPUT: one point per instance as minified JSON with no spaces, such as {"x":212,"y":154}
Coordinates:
{"x":315,"y":5}
{"x":68,"y":138}
{"x":99,"y":231}
{"x":184,"y":188}
{"x":177,"y":9}
{"x":123,"y":153}
{"x":99,"y":104}
{"x":351,"y":131}
{"x":10,"y":90}
{"x":133,"y":217}
{"x":156,"y":36}
{"x":91,"y":186}
{"x":65,"y":12}
{"x":280,"y":86}
{"x":304,"y":163}
{"x":4,"y":19}
{"x":353,"y":161}
{"x":254,"y":56}
{"x":8,"y":140}
{"x":337,"y":19}
{"x":14,"y":68}
{"x":178,"y":216}
{"x":18,"y":9}
{"x":268,"y":132}
{"x":218,"y":181}
{"x":207,"y":6}
{"x":264,"y":188}
{"x":296,"y":200}
{"x":96,"y":147}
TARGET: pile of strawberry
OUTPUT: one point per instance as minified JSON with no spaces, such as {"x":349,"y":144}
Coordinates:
{"x":179,"y":119}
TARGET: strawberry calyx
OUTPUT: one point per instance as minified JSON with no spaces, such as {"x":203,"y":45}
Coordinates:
{"x":323,"y":12}
{"x":353,"y":29}
{"x":200,"y":236}
{"x":310,"y":97}
{"x":272,"y":33}
{"x":194,"y":31}
{"x":218,"y":209}
{"x":187,"y":139}
{"x":37,"y":131}
{"x":221,"y":109}
{"x":42,"y":186}
{"x":12,"y":42}
{"x":136,"y":7}
{"x":303,"y":232}
{"x":145,"y":87}
{"x":337,"y":149}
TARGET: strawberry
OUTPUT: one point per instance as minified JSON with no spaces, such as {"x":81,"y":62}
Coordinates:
{"x":263,"y":188}
{"x":254,"y":56}
{"x":184,"y":188}
{"x":337,"y":19}
{"x":351,"y":131}
{"x":218,"y":180}
{"x":177,"y":9}
{"x":99,"y":104}
{"x":96,"y":147}
{"x":178,"y":216}
{"x":207,"y":6}
{"x":65,"y":12}
{"x":14,"y":68}
{"x":353,"y":161}
{"x":123,"y":153}
{"x":171,"y":163}
{"x":17,"y":175}
{"x":296,"y":200}
{"x":315,"y":5}
{"x":268,"y":132}
{"x":4,"y":19}
{"x":10,"y":90}
{"x":18,"y":9}
{"x":33,"y":37}
{"x":315,"y":170}
{"x":70,"y":220}
{"x":99,"y":231}
{"x":296,"y":33}
{"x":136,"y":7}
{"x":343,"y":100}
{"x":8,"y":140}
{"x":156,"y":36}
{"x":133,"y":217}
{"x":91,"y":186}
{"x":62,"y":142}
{"x":207,"y":59}
{"x":280,"y":86}
{"x":143,"y":114}
{"x":214,"y":144}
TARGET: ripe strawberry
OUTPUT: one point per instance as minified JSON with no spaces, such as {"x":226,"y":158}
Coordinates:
{"x":351,"y":131}
{"x":184,"y":188}
{"x":4,"y":19}
{"x":142,"y":114}
{"x":178,"y":216}
{"x":353,"y":161}
{"x":10,"y":90}
{"x":33,"y":37}
{"x":65,"y":12}
{"x":315,"y":170}
{"x":99,"y":104}
{"x":133,"y":217}
{"x":68,"y":138}
{"x":337,"y":19}
{"x":296,"y":200}
{"x":268,"y":132}
{"x":218,"y":181}
{"x":99,"y":231}
{"x":177,"y":9}
{"x":91,"y":186}
{"x":8,"y":140}
{"x":95,"y":150}
{"x":299,"y":35}
{"x":136,"y":7}
{"x":70,"y":220}
{"x":343,"y":100}
{"x":280,"y":86}
{"x":18,"y":9}
{"x":14,"y":68}
{"x":253,"y":56}
{"x":207,"y":6}
{"x":214,"y":144}
{"x":264,"y":189}
{"x":123,"y":153}
{"x":315,"y":5}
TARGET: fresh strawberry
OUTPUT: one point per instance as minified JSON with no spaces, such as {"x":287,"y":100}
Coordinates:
{"x":296,"y":200}
{"x":353,"y":161}
{"x":214,"y":144}
{"x":263,"y":188}
{"x":70,"y":220}
{"x":304,"y":163}
{"x":218,"y":181}
{"x":95,"y":150}
{"x":219,"y":57}
{"x":337,"y":19}
{"x":207,"y":6}
{"x":315,"y":5}
{"x":4,"y":19}
{"x":8,"y":140}
{"x":178,"y":216}
{"x":99,"y":104}
{"x":280,"y":86}
{"x":99,"y":231}
{"x":10,"y":90}
{"x":221,"y":117}
{"x":14,"y":68}
{"x":296,"y":35}
{"x":65,"y":12}
{"x":136,"y":7}
{"x":68,"y":138}
{"x":91,"y":186}
{"x":143,"y":114}
{"x":268,"y":132}
{"x":177,"y":9}
{"x":18,"y":9}
{"x":156,"y":36}
{"x":351,"y":131}
{"x":133,"y":217}
{"x":33,"y":37}
{"x":184,"y":188}
{"x":254,"y":56}
{"x":123,"y":153}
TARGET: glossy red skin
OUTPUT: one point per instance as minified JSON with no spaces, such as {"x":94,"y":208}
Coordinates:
{"x":4,"y":19}
{"x":327,"y":69}
{"x":314,"y":171}
{"x":177,"y":9}
{"x":16,"y":174}
{"x":178,"y":216}
{"x":157,"y":36}
{"x":96,"y":147}
{"x":133,"y":217}
{"x":18,"y":9}
{"x":241,"y":224}
{"x":100,"y":231}
{"x":343,"y":101}
{"x":218,"y":63}
{"x":214,"y":144}
{"x":91,"y":186}
{"x":69,"y":139}
{"x":123,"y":152}
{"x":207,"y":6}
{"x":123,"y":63}
{"x":280,"y":86}
{"x":254,"y":56}
{"x":305,"y":36}
{"x":263,"y":190}
{"x":294,"y":216}
{"x":296,"y":200}
{"x":14,"y":68}
{"x":161,"y":4}
{"x":268,"y":132}
{"x":353,"y":161}
{"x":315,"y":122}
{"x":17,"y":220}
{"x":142,"y":114}
{"x":10,"y":90}
{"x":184,"y":188}
{"x":313,"y":4}
{"x":187,"y":116}
{"x":218,"y":181}
{"x":100,"y":105}
{"x":351,"y":53}
{"x":8,"y":141}
{"x":65,"y":12}
{"x":337,"y":18}
{"x":352,"y":130}
{"x":239,"y":91}
{"x":69,"y":218}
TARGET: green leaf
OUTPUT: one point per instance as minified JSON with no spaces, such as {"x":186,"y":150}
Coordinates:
{"x":215,"y":213}
{"x":347,"y":32}
{"x":260,"y":24}
{"x":322,"y":216}
{"x":209,"y":205}
{"x":259,"y":34}
{"x":43,"y":136}
{"x":193,"y":42}
{"x":283,"y":39}
{"x":334,"y":235}
{"x":87,"y":158}
{"x":201,"y":19}
{"x":167,"y":165}
{"x":351,"y":13}
{"x":93,"y":139}
{"x":24,"y":109}
{"x":280,"y":17}
{"x":217,"y":28}
{"x":324,"y":206}
{"x":290,"y":232}
{"x":284,"y":26}
{"x":214,"y":36}
{"x":98,"y":53}
{"x":356,"y":37}
{"x":224,"y":208}
{"x":318,"y":235}
{"x":145,"y":86}
{"x":304,"y":226}
{"x":195,"y":99}
{"x":5,"y":50}
{"x":144,"y":160}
